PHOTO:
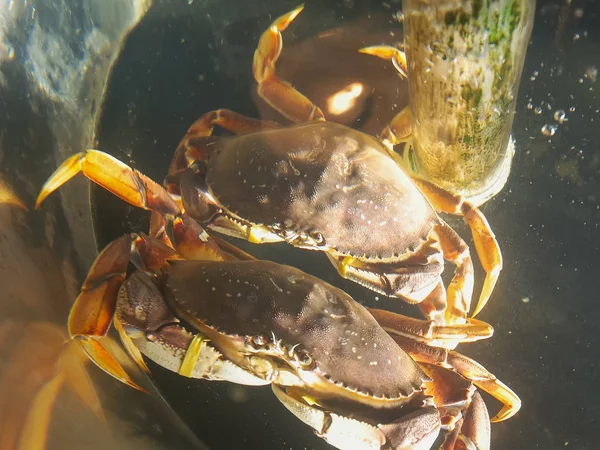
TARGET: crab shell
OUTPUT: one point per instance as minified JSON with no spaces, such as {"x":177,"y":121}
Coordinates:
{"x":320,"y":185}
{"x":281,"y":324}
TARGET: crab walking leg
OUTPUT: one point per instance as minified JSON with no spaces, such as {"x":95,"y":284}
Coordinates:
{"x":399,"y":129}
{"x":229,"y":120}
{"x":460,"y":289}
{"x":92,"y":313}
{"x":198,"y":139}
{"x":462,"y":410}
{"x":420,"y":427}
{"x":430,"y":333}
{"x":466,"y":367}
{"x":280,"y":95}
{"x":472,"y":431}
{"x":486,"y":245}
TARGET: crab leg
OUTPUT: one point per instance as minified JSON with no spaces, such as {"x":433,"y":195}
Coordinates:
{"x":430,"y":333}
{"x":466,"y":367}
{"x":486,"y":245}
{"x":188,"y":237}
{"x":92,"y":313}
{"x":421,"y":426}
{"x":116,"y":177}
{"x":280,"y":95}
{"x":399,"y":129}
{"x":472,"y":431}
{"x":197,"y":141}
{"x":460,"y":289}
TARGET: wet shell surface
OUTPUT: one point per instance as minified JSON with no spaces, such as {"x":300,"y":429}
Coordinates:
{"x":326,"y":180}
{"x":261,"y":298}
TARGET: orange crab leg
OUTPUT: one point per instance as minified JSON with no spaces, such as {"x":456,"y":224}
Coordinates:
{"x":229,"y":120}
{"x":468,"y":368}
{"x":116,"y":177}
{"x":280,"y":95}
{"x":472,"y":431}
{"x":462,"y":410}
{"x":428,"y":332}
{"x":389,"y":53}
{"x":486,"y":245}
{"x":190,"y":239}
{"x":92,"y":313}
{"x":198,"y":139}
{"x":8,"y":196}
{"x":460,"y":289}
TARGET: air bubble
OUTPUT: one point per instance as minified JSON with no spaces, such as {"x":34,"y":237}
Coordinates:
{"x":538,"y":110}
{"x":549,"y":130}
{"x":560,"y":116}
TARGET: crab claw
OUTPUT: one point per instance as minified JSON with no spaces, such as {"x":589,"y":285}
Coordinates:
{"x":389,"y":53}
{"x":116,"y":177}
{"x":413,"y":431}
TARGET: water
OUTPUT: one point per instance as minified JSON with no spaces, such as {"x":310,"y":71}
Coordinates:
{"x":546,"y":219}
{"x":189,"y":58}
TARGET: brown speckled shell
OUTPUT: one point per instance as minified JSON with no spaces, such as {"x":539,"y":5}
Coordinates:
{"x":327,"y":178}
{"x":251,"y":298}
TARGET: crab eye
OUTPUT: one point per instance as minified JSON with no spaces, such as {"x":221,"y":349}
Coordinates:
{"x":259,"y":340}
{"x":318,"y":238}
{"x":305,"y":360}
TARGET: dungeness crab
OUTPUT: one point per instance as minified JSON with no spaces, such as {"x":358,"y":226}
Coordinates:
{"x":205,"y":309}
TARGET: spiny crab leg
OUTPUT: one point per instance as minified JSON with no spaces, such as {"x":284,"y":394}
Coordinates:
{"x":421,"y":425}
{"x":8,"y":196}
{"x":460,"y":289}
{"x":113,"y":175}
{"x":462,"y":410}
{"x":428,"y":343}
{"x":280,"y":95}
{"x":389,"y":53}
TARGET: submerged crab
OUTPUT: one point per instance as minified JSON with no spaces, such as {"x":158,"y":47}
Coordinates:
{"x":205,"y":309}
{"x":323,"y":186}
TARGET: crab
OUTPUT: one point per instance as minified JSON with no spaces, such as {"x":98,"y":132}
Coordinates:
{"x":200,"y":307}
{"x":322,"y":186}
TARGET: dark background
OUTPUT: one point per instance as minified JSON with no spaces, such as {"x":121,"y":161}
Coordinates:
{"x":184,"y":60}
